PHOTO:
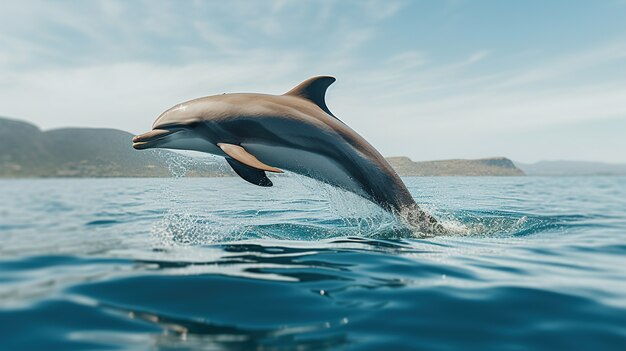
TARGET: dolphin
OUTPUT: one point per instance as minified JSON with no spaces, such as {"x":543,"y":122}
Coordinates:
{"x":259,"y":133}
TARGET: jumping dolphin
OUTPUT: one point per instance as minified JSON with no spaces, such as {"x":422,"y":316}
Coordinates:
{"x":296,"y":131}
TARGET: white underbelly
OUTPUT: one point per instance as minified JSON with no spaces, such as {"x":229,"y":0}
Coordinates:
{"x":306,"y":163}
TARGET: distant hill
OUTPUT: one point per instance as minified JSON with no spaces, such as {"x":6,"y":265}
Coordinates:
{"x":496,"y":166}
{"x":26,"y":151}
{"x":571,"y":168}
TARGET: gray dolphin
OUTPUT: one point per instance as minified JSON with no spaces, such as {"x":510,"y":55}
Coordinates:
{"x":296,"y":131}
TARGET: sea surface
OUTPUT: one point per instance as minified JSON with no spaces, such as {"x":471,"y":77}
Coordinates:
{"x":530,"y":263}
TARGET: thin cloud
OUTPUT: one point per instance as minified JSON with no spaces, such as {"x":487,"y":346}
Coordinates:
{"x":119,"y":64}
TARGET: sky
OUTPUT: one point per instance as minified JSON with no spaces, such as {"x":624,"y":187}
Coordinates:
{"x":528,"y":80}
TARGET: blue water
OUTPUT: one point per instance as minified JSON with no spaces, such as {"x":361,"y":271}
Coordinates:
{"x":184,"y":263}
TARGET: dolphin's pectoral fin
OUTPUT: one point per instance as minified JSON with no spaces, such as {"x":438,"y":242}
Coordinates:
{"x":240,"y":154}
{"x":249,"y":174}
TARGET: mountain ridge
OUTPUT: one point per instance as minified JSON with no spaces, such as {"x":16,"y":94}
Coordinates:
{"x":492,"y":166}
{"x":572,"y":168}
{"x":27,"y":151}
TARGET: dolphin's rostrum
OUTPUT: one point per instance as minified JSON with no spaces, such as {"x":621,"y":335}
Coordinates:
{"x":296,"y":131}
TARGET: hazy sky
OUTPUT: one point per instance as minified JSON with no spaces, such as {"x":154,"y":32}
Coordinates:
{"x":529,"y":80}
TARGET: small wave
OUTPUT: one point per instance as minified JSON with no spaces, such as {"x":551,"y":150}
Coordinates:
{"x":102,"y":222}
{"x":203,"y":227}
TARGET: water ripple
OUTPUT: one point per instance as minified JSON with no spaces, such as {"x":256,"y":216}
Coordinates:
{"x":217,"y":264}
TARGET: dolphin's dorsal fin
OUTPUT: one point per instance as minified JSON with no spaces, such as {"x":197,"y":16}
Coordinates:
{"x":314,"y":90}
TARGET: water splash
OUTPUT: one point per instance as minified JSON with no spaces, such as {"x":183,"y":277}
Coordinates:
{"x":497,"y":223}
{"x":179,"y":164}
{"x":179,"y":227}
{"x":346,"y":214}
{"x":182,"y":225}
{"x":359,"y":216}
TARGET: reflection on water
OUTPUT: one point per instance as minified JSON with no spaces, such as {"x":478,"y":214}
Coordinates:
{"x":217,"y":264}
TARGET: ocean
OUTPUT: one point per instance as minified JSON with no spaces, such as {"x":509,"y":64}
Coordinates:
{"x":530,"y":263}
